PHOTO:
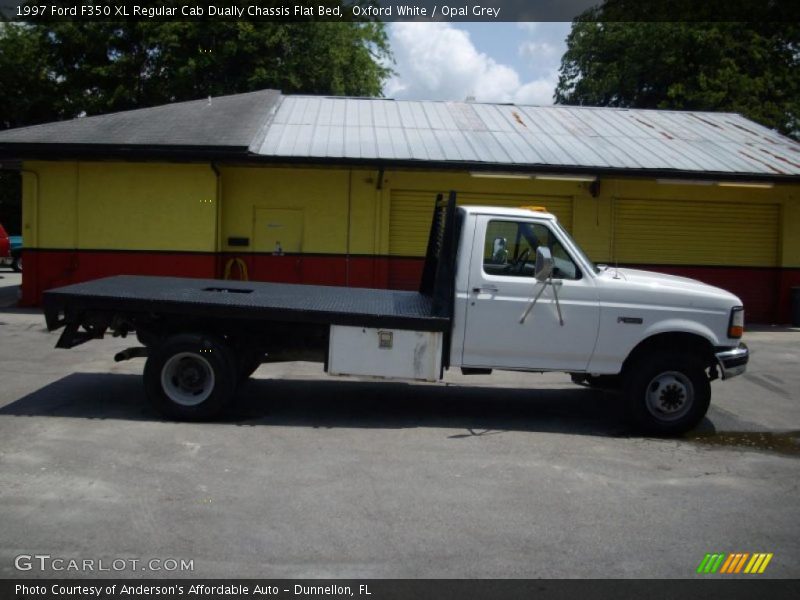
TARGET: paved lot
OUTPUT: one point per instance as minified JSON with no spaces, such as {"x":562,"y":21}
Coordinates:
{"x":501,"y":476}
{"x":9,"y":286}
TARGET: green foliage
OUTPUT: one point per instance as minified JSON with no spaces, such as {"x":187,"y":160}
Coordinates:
{"x":745,"y":67}
{"x":60,"y":70}
{"x":27,"y":91}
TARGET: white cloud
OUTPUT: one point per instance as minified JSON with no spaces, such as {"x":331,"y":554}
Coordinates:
{"x":536,"y":92}
{"x":536,"y":51}
{"x":437,"y":61}
{"x":544,"y":46}
{"x":542,"y":53}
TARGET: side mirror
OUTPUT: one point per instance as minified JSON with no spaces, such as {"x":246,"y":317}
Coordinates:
{"x":544,"y":263}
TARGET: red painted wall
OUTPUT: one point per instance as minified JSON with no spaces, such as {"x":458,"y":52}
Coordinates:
{"x":764,"y":291}
{"x":45,"y":269}
{"x":758,"y":287}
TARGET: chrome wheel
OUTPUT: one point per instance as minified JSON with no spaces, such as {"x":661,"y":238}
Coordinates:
{"x":187,"y":379}
{"x":669,"y":396}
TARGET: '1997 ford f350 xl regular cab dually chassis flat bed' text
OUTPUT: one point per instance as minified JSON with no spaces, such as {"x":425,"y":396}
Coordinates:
{"x":501,"y":288}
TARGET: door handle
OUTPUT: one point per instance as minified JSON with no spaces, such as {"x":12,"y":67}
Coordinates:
{"x":485,"y":288}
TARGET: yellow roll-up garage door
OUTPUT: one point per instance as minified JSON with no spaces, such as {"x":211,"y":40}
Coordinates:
{"x":410,"y":220}
{"x":411,"y":211}
{"x":677,"y":232}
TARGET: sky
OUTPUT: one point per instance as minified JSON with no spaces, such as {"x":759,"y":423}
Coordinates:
{"x":492,"y":62}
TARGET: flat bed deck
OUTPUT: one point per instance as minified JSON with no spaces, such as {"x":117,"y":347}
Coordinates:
{"x":246,"y":300}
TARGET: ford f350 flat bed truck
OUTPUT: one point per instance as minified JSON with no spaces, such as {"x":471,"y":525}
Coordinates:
{"x":501,"y":288}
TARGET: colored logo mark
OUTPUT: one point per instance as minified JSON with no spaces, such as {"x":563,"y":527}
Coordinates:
{"x":738,"y":562}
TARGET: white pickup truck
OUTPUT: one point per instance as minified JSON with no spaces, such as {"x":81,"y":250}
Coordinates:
{"x":502,"y":288}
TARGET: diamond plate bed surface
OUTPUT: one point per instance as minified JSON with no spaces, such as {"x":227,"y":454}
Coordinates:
{"x":249,"y":299}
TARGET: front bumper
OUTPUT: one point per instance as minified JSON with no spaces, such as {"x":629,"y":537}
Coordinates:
{"x":733,"y":361}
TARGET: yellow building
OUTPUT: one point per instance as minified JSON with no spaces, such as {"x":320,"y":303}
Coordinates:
{"x":339,"y":191}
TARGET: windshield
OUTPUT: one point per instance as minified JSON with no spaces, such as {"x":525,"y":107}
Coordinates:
{"x":576,"y":248}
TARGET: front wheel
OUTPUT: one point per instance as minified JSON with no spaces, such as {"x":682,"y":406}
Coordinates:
{"x":190,"y":377}
{"x":16,"y":264}
{"x":667,"y":394}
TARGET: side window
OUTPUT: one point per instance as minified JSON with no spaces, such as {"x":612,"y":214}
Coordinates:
{"x":510,"y":249}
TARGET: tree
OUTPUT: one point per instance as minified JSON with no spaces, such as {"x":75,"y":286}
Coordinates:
{"x":745,"y":67}
{"x":27,"y":91}
{"x":60,"y":70}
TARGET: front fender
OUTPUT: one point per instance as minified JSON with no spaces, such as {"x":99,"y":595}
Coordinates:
{"x":617,"y":338}
{"x":677,"y":325}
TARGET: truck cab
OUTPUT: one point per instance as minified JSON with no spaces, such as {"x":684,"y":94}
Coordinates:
{"x":528,"y":298}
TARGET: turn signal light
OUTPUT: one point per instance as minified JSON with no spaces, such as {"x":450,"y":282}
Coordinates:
{"x":736,"y":325}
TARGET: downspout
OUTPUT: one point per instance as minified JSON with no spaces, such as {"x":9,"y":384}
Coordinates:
{"x":34,"y":221}
{"x":217,"y":221}
{"x":76,"y":233}
{"x":349,"y":220}
{"x":376,"y":227}
{"x":33,"y":235}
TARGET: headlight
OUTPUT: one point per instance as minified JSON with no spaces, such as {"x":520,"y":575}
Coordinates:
{"x":736,"y":324}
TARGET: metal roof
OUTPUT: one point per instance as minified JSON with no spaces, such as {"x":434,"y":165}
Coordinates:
{"x":221,"y":122}
{"x":266,"y":126}
{"x":526,"y":136}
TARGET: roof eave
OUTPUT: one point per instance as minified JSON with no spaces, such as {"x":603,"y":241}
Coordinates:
{"x":531,"y":169}
{"x":241,"y":155}
{"x":135,"y":152}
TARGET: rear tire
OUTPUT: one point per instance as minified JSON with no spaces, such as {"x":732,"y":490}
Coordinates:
{"x":190,"y":377}
{"x":16,"y":264}
{"x":666,"y":394}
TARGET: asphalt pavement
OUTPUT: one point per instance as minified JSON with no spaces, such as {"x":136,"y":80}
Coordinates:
{"x":507,"y":475}
{"x":9,"y":287}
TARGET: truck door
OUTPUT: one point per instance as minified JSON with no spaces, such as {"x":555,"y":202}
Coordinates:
{"x":502,"y":284}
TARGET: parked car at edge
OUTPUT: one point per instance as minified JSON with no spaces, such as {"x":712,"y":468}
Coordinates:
{"x":10,"y":250}
{"x":16,"y":252}
{"x":5,"y":248}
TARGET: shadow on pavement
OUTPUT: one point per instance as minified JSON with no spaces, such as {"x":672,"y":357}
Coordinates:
{"x":335,"y":403}
{"x":9,"y":296}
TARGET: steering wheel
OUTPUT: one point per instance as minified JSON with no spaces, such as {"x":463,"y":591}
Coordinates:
{"x":519,"y":263}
